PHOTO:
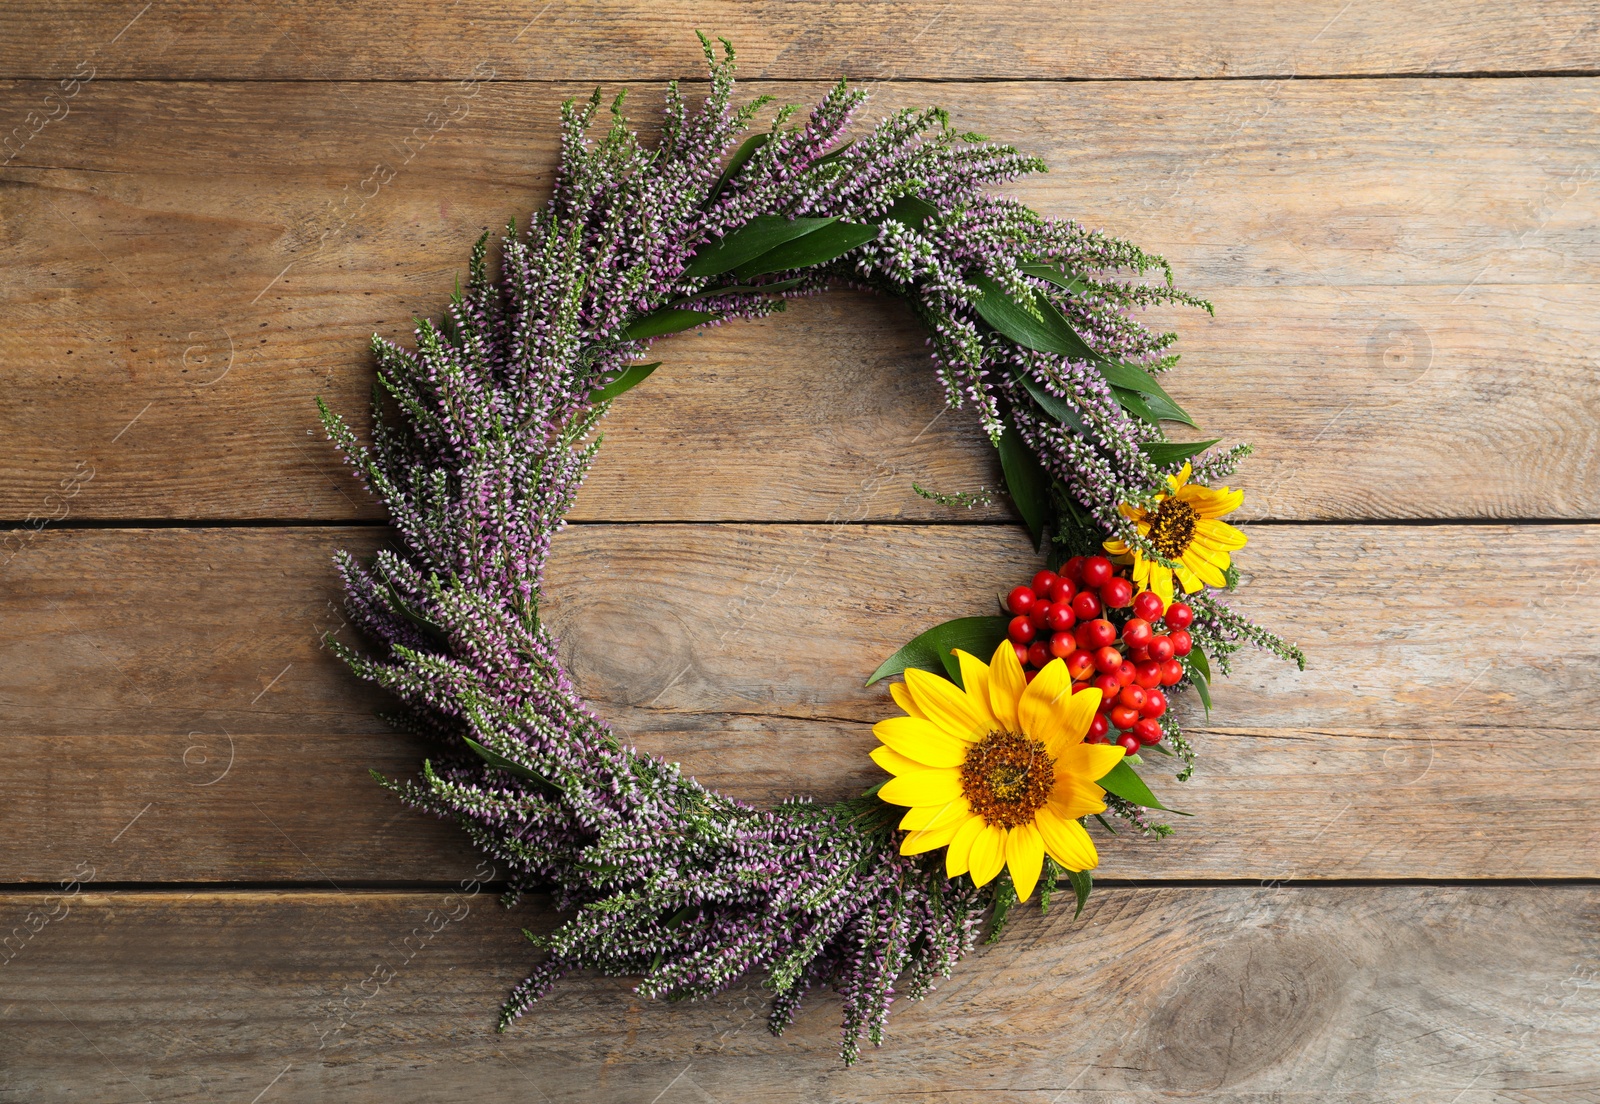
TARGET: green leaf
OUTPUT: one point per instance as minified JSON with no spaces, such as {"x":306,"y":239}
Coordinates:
{"x":913,"y":211}
{"x":741,"y":289}
{"x":1126,"y":784}
{"x":632,"y":376}
{"x":667,"y":320}
{"x":1166,"y":453}
{"x":979,"y":636}
{"x":1057,"y":277}
{"x":830,"y":158}
{"x":1054,"y":405}
{"x":813,"y":249}
{"x":1026,"y":482}
{"x":1168,"y":411}
{"x":1200,"y":674}
{"x":750,"y":241}
{"x":1134,"y":404}
{"x":747,"y":149}
{"x":500,"y":762}
{"x":1017,"y":322}
{"x":1082,"y":882}
{"x":1197,"y":660}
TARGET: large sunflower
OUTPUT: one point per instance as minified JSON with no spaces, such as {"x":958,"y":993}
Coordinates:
{"x":1184,"y":528}
{"x":997,"y":774}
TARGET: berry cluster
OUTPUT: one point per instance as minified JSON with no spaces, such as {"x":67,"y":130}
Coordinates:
{"x":1070,"y":617}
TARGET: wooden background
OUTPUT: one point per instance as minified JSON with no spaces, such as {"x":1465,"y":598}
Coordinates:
{"x":1390,"y":890}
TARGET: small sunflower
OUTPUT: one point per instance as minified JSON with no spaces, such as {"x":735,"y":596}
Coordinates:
{"x":1184,"y":528}
{"x":997,"y":774}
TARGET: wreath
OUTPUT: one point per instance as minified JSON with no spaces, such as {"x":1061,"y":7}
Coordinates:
{"x":483,"y":433}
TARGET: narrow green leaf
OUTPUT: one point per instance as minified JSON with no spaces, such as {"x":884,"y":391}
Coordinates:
{"x":632,"y":376}
{"x":1200,"y":674}
{"x":1082,"y":882}
{"x":750,"y":241}
{"x":1054,"y":405}
{"x":1168,"y":411}
{"x":1057,"y":277}
{"x":667,"y":320}
{"x":1105,"y":824}
{"x":816,"y":248}
{"x":1026,"y":482}
{"x":1203,"y":688}
{"x":979,"y":636}
{"x":1134,"y":404}
{"x":830,"y":158}
{"x":913,"y":211}
{"x":1166,"y":453}
{"x":1016,"y":321}
{"x":747,"y":149}
{"x":741,"y":289}
{"x":1126,"y":784}
{"x":1197,"y":660}
{"x":500,"y":762}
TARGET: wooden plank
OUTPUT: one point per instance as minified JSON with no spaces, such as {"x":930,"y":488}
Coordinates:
{"x":188,"y":265}
{"x":618,"y":39}
{"x":1443,"y":729}
{"x":1229,"y":994}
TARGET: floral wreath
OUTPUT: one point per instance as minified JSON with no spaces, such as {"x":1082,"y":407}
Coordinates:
{"x":483,"y":433}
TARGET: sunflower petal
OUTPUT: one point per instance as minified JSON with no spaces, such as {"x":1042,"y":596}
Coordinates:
{"x":1191,"y":582}
{"x":922,"y":741}
{"x":988,"y":854}
{"x":947,"y":706}
{"x":1025,"y":859}
{"x":929,"y":838}
{"x":1073,"y":798}
{"x":1176,"y":482}
{"x":1006,"y":685}
{"x":1160,"y":581}
{"x":1088,"y":762}
{"x":1208,"y":572}
{"x":1066,"y":841}
{"x":923,"y":787}
{"x":902,"y":698}
{"x":1211,"y":503}
{"x":1044,"y":702}
{"x":895,"y":763}
{"x":1219,"y":535}
{"x":1115,"y":547}
{"x":975,"y":677}
{"x":934,"y":816}
{"x":1073,"y":717}
{"x":957,"y":858}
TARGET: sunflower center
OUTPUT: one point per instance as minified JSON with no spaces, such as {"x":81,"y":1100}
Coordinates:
{"x":1172,"y":528}
{"x":1007,"y":777}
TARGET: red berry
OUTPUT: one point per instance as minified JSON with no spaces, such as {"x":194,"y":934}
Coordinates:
{"x":1182,"y":642}
{"x":1107,"y":661}
{"x":1086,"y":604}
{"x":1129,"y":743}
{"x":1096,"y":571}
{"x":1117,"y":593}
{"x":1148,"y":731}
{"x":1041,"y":609}
{"x":1132,"y":697}
{"x":1179,"y":616}
{"x":1147,"y":606}
{"x":1080,"y":665}
{"x":1020,"y":601}
{"x":1041,"y":583}
{"x":1073,"y":569}
{"x":1136,"y":633}
{"x":1020,"y":630}
{"x":1155,"y":703}
{"x":1108,"y":686}
{"x":1060,"y":618}
{"x":1062,"y":645}
{"x":1022,"y":652}
{"x":1099,"y":727}
{"x":1028,"y":675}
{"x":1127,"y":673}
{"x":1124,"y":716}
{"x":1098,"y":633}
{"x":1062,"y":590}
{"x":1147,"y":673}
{"x":1161,"y":648}
{"x":1038,"y":654}
{"x":1171,"y":673}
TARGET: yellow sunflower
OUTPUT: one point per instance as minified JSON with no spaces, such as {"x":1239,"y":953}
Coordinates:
{"x":1184,"y":528}
{"x":997,"y":774}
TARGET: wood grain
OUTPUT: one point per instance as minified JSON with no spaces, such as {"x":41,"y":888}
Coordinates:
{"x":187,"y":265}
{"x":1230,"y":994}
{"x":1444,"y":727}
{"x":619,"y":39}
